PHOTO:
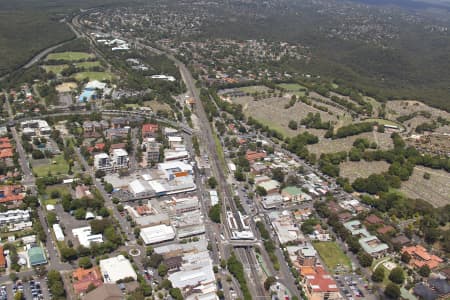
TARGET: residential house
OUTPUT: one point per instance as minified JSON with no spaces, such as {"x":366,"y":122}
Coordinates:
{"x":421,"y":257}
{"x":84,"y":278}
{"x":252,"y":156}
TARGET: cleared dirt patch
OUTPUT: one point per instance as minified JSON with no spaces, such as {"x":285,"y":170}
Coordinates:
{"x":435,"y":190}
{"x":363,"y":169}
{"x":66,"y":87}
{"x":383,"y":140}
{"x":271,"y":112}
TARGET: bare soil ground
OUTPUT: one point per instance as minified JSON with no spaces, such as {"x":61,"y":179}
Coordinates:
{"x":155,"y":106}
{"x":363,"y":169}
{"x":436,"y":190}
{"x":271,"y":112}
{"x":383,"y":140}
{"x":66,"y":87}
{"x":405,"y":107}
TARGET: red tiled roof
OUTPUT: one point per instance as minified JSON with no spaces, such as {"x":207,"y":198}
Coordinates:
{"x":420,"y":257}
{"x":5,"y":153}
{"x":373,"y":219}
{"x":149,"y":128}
{"x":83,"y":278}
{"x":322,"y":281}
{"x":11,"y":193}
{"x":253,"y":155}
{"x":2,"y":258}
{"x":385,"y":229}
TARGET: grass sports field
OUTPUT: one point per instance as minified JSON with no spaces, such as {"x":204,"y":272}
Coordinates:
{"x":57,"y":165}
{"x":291,"y":86}
{"x":332,"y":255}
{"x":93,"y":76}
{"x":55,"y":69}
{"x":88,"y":64}
{"x":69,"y":56}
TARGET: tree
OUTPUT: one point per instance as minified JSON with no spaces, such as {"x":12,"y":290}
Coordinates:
{"x":392,"y":291}
{"x":424,"y":271}
{"x":426,"y":175}
{"x":68,"y":253}
{"x":85,"y":263}
{"x":109,"y":187}
{"x":51,"y":218}
{"x":162,"y":270}
{"x":397,"y":275}
{"x":261,"y":191}
{"x":18,"y":296}
{"x":378,"y":275}
{"x":293,"y":125}
{"x":214,"y":213}
{"x":212,"y":182}
{"x":365,"y":259}
{"x":176,"y":293}
{"x":278,"y":174}
{"x":269,"y":282}
{"x":405,"y":257}
{"x":100,"y":173}
{"x":155,"y":260}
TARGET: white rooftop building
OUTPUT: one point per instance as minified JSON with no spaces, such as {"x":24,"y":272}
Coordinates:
{"x":163,"y":77}
{"x":119,"y":158}
{"x":58,"y":232}
{"x":116,"y":268}
{"x":102,"y":162}
{"x":157,"y":234}
{"x":85,"y":236}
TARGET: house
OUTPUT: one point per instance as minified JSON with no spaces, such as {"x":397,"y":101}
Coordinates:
{"x":344,"y":216}
{"x":83,"y":278}
{"x":119,"y":122}
{"x":2,"y":259}
{"x":252,"y":156}
{"x":421,"y":257}
{"x":385,"y":229}
{"x":149,"y":130}
{"x":434,"y":288}
{"x":373,"y":220}
{"x":11,"y":194}
{"x":400,"y":241}
{"x":106,"y":291}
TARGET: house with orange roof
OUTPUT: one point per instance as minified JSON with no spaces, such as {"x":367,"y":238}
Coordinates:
{"x":252,"y":156}
{"x":421,"y":257}
{"x":321,"y":285}
{"x":11,"y":194}
{"x":149,"y":130}
{"x":2,"y":258}
{"x":83,"y":278}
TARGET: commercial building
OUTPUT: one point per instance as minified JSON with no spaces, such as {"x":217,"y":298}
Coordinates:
{"x":295,"y":194}
{"x":307,"y":255}
{"x":213,"y":197}
{"x":321,"y":285}
{"x":59,"y":234}
{"x":116,"y":268}
{"x":271,"y":201}
{"x":151,"y":151}
{"x":157,"y":234}
{"x":85,"y":236}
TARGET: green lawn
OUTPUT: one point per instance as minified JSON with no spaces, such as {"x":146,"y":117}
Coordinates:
{"x":93,"y":76}
{"x":88,"y":64}
{"x":253,"y":88}
{"x":56,"y":69}
{"x":58,"y":166}
{"x":331,"y":254}
{"x":291,"y":86}
{"x":70,"y":56}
